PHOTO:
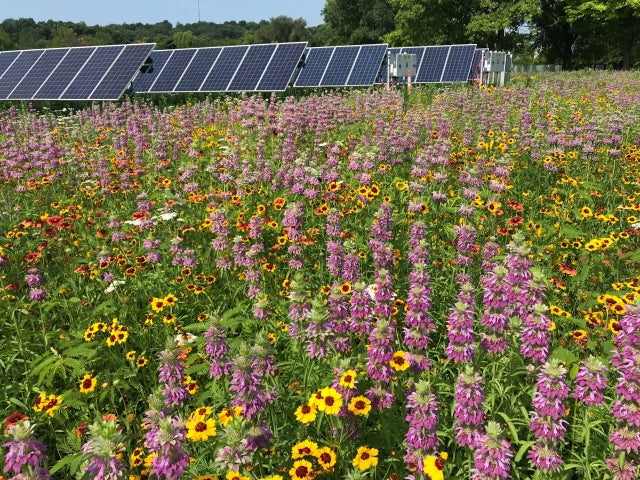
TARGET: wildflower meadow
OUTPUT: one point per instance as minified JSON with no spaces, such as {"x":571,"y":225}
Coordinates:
{"x":425,"y":284}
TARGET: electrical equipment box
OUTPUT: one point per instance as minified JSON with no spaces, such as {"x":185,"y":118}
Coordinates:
{"x":400,"y":64}
{"x":494,"y":61}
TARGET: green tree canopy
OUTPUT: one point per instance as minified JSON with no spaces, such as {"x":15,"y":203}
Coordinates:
{"x":359,"y":21}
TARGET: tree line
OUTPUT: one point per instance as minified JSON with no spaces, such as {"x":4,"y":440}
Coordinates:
{"x":573,"y":33}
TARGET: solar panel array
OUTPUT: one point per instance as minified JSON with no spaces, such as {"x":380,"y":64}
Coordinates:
{"x":74,"y":73}
{"x":265,"y":67}
{"x":105,"y":72}
{"x":353,"y":65}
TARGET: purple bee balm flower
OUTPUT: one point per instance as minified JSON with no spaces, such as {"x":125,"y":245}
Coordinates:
{"x":590,"y":382}
{"x":36,"y":294}
{"x":468,"y":410}
{"x":626,"y":358}
{"x":460,"y":327}
{"x":622,"y":468}
{"x":217,"y":349}
{"x":104,"y":449}
{"x":493,"y":455}
{"x":25,"y":452}
{"x":535,"y":334}
{"x":381,"y":351}
{"x":545,"y":457}
{"x":171,"y":376}
{"x":33,"y":277}
{"x":171,"y":460}
{"x":422,"y":418}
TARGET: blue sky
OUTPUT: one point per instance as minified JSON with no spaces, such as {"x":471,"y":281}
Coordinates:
{"x":103,"y":12}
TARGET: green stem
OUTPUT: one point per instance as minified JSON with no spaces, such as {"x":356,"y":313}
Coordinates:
{"x":587,"y":438}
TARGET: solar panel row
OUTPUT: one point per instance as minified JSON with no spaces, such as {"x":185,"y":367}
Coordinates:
{"x":75,"y":73}
{"x":103,"y":73}
{"x":355,"y":65}
{"x":265,"y":67}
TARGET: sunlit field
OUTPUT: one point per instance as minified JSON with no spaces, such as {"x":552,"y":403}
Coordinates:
{"x":357,"y":284}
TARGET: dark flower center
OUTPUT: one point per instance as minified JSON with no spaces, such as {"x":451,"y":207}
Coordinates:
{"x":200,"y":427}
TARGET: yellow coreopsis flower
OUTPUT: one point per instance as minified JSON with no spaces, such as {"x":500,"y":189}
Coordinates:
{"x":88,"y":383}
{"x":399,"y":361}
{"x":348,"y":379}
{"x":331,"y":401}
{"x":200,"y":429}
{"x":301,"y":470}
{"x":360,"y":405}
{"x":326,"y":457}
{"x":303,"y":449}
{"x":365,"y":458}
{"x":231,"y":475}
{"x":433,"y":466}
{"x":306,"y":413}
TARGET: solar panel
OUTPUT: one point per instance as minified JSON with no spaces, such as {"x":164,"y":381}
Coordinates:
{"x":119,"y":76}
{"x":339,"y":66}
{"x":367,"y":65}
{"x":6,"y":59}
{"x":224,"y":69}
{"x":314,"y":66}
{"x":250,"y":70}
{"x":198,"y":69}
{"x":458,"y":63}
{"x":64,"y":72}
{"x":150,"y":70}
{"x":107,"y":72}
{"x":17,"y":70}
{"x":39,"y":72}
{"x":432,"y":65}
{"x":278,"y":73}
{"x":173,"y":70}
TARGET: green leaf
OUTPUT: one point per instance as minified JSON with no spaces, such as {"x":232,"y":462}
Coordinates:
{"x":19,"y":403}
{"x":511,"y":426}
{"x":197,"y":368}
{"x":521,"y":451}
{"x":76,"y":365}
{"x":573,"y":373}
{"x":64,"y":461}
{"x":74,"y":400}
{"x":564,"y":355}
{"x":38,"y":365}
{"x":81,"y":350}
{"x":76,"y":463}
